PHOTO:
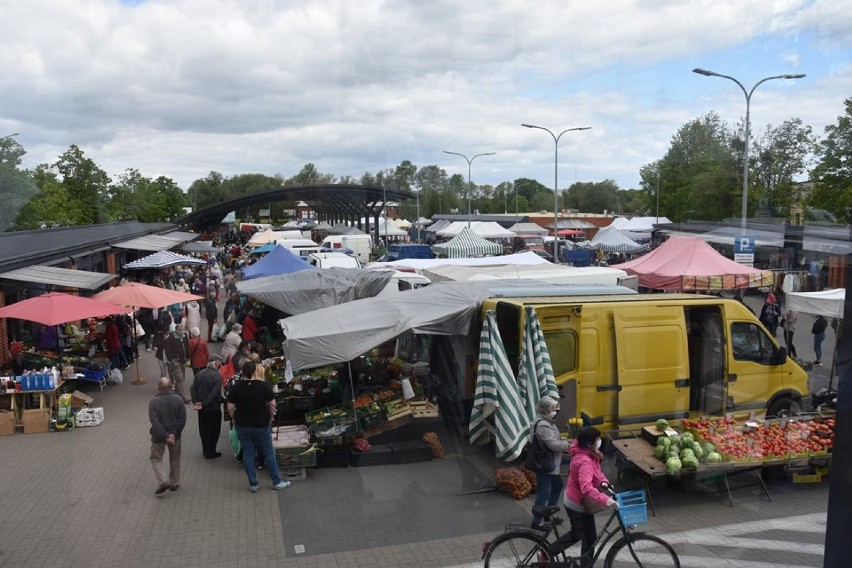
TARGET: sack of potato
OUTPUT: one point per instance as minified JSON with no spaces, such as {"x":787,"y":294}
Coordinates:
{"x":513,"y":481}
{"x":431,"y":438}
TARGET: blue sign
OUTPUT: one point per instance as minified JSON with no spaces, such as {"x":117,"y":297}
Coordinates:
{"x":744,"y":244}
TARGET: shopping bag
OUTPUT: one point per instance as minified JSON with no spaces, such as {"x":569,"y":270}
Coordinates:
{"x":235,"y":442}
{"x":115,"y":377}
{"x":214,"y":332}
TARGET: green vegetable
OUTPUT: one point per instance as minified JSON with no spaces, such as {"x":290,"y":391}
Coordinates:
{"x":660,"y":452}
{"x":690,"y":462}
{"x":662,"y":424}
{"x":699,"y":451}
{"x":709,"y":447}
{"x":664,"y":440}
{"x":686,"y":453}
{"x":686,"y":438}
{"x":673,"y":466}
{"x":714,"y":457}
{"x":675,"y":439}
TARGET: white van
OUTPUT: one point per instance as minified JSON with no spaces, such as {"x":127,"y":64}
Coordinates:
{"x":361,"y":245}
{"x":333,"y":259}
{"x":401,"y":281}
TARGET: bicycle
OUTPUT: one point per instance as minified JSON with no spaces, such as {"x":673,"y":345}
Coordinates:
{"x":520,"y":546}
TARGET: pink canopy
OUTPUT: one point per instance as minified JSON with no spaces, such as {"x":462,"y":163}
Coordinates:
{"x":687,"y":264}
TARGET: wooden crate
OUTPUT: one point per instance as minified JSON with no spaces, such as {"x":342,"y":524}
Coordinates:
{"x":423,"y":409}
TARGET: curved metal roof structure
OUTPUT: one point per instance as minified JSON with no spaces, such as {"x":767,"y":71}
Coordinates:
{"x":332,"y":202}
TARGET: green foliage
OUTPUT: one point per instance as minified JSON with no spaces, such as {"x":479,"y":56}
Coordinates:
{"x":778,"y":155}
{"x":86,"y":184}
{"x":594,"y":197}
{"x":16,"y":185}
{"x":832,"y":175}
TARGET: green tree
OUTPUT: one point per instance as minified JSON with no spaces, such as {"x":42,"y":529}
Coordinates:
{"x":780,"y":154}
{"x":16,"y":185}
{"x":698,"y":174}
{"x":52,"y":206}
{"x":505,"y":194}
{"x":832,"y":175}
{"x":208,"y":191}
{"x":86,"y":184}
{"x":594,"y":197}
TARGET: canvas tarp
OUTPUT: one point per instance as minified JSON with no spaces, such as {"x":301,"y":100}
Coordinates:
{"x":528,"y":229}
{"x":526,"y":257}
{"x":467,"y":243}
{"x":485,"y":229}
{"x":686,"y":264}
{"x":610,"y":239}
{"x":341,"y":333}
{"x":162,"y":259}
{"x":548,"y":272}
{"x":279,"y":261}
{"x":828,"y":303}
{"x":307,"y":290}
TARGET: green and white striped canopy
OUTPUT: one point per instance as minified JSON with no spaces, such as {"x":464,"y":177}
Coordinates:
{"x":496,"y":400}
{"x":535,"y":373}
{"x":467,"y":243}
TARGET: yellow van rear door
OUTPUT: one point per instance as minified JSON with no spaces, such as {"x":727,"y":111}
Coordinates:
{"x":652,"y":362}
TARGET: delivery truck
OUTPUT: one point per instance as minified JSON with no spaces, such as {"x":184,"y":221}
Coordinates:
{"x":360,"y":245}
{"x":622,"y":361}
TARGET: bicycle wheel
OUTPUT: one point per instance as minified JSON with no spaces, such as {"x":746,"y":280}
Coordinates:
{"x":651,"y":552}
{"x":515,"y":550}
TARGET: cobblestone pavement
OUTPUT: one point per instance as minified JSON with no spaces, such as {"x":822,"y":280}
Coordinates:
{"x":85,"y":498}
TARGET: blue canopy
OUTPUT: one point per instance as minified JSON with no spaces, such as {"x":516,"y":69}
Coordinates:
{"x":279,"y":261}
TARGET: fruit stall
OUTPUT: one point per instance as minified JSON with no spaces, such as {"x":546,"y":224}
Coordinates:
{"x":719,"y":448}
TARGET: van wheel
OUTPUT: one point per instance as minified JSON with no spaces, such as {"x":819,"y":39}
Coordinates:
{"x":784,"y":408}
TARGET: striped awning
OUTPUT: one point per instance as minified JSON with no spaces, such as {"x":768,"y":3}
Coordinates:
{"x":162,"y":259}
{"x":469,"y":244}
{"x":157,"y":242}
{"x":535,"y":373}
{"x":496,"y":400}
{"x":67,"y":277}
{"x":611,"y":239}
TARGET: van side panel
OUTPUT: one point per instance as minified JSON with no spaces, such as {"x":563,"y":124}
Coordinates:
{"x":653,"y":363}
{"x":597,"y":384}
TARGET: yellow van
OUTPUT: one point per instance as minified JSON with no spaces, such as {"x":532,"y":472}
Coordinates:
{"x":628,"y":360}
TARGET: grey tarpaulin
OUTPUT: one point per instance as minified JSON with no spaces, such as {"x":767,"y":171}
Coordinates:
{"x":308,"y":290}
{"x":343,"y":332}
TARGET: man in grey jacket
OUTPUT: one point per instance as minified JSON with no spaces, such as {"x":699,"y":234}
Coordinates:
{"x":167,"y":414}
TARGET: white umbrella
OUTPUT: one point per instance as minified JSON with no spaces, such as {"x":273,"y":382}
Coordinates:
{"x":535,"y":373}
{"x":496,"y":400}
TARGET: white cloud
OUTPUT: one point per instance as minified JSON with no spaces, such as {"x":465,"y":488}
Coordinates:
{"x":183,"y":87}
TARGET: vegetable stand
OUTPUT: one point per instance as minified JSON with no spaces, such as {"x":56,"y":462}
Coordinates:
{"x":747,"y":449}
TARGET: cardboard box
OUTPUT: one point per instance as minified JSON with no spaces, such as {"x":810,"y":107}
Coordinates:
{"x":7,"y":423}
{"x":36,"y":420}
{"x":81,"y":399}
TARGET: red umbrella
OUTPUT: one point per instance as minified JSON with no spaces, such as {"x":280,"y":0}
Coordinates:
{"x":54,"y":308}
{"x":139,"y":295}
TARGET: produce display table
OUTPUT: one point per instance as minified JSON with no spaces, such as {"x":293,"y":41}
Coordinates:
{"x":641,"y":454}
{"x":46,"y":399}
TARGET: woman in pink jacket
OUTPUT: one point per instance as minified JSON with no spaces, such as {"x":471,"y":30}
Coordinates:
{"x":584,"y":479}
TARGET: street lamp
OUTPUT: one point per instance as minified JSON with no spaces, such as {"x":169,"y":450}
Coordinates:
{"x":556,"y":181}
{"x":469,"y":162}
{"x":9,"y":136}
{"x":747,"y":94}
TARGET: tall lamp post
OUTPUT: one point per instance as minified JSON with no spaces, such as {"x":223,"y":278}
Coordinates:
{"x":747,"y":94}
{"x":469,"y":162}
{"x":556,"y":181}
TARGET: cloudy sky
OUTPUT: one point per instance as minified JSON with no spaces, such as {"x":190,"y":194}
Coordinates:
{"x":183,"y":87}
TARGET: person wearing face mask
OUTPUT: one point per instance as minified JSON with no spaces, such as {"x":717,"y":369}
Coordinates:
{"x":585,"y":478}
{"x":548,"y":483}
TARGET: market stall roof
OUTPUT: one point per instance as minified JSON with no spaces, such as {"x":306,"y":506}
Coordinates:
{"x":528,"y":229}
{"x":157,"y":242}
{"x":526,"y":257}
{"x":571,"y":223}
{"x":354,"y":231}
{"x":340,"y":333}
{"x":639,"y":224}
{"x":438,"y":225}
{"x":323,"y":226}
{"x":485,"y":229}
{"x":138,"y":295}
{"x":55,"y":276}
{"x":548,"y":272}
{"x":689,"y":264}
{"x":390,"y":230}
{"x":279,"y":261}
{"x":467,"y":243}
{"x":570,"y":232}
{"x":199,"y":247}
{"x":308,"y":290}
{"x":54,"y":308}
{"x":162,"y":259}
{"x":828,"y":303}
{"x":611,"y":239}
{"x":261,"y":238}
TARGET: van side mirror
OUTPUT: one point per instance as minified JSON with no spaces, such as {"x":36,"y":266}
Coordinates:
{"x":780,"y":356}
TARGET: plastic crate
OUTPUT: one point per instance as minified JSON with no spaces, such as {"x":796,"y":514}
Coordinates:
{"x":295,"y":457}
{"x":293,"y":473}
{"x":632,"y":507}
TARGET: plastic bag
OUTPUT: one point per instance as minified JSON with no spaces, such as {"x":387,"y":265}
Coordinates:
{"x":235,"y":441}
{"x":115,"y":377}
